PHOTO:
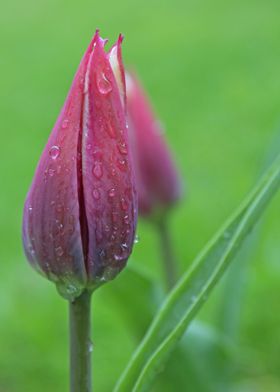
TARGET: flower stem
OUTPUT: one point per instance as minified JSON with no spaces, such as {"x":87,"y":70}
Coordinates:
{"x":168,"y":258}
{"x":80,"y":343}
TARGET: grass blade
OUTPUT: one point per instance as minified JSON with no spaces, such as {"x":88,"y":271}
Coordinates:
{"x":184,"y":301}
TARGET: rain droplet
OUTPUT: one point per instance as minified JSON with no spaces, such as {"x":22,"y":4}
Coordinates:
{"x":65,"y":123}
{"x":112,"y":192}
{"x":136,"y":239}
{"x":96,"y":194}
{"x":71,"y":289}
{"x":113,"y":171}
{"x":54,"y":152}
{"x":97,"y":170}
{"x":103,"y":84}
{"x":124,"y":246}
{"x":90,"y":347}
{"x":193,"y":299}
{"x":119,"y":257}
{"x":110,"y":130}
{"x":59,"y":251}
{"x":126,"y":219}
{"x":59,"y":208}
{"x":51,"y":172}
{"x":124,"y":204}
{"x":30,"y":209}
{"x":226,"y":235}
{"x":122,"y":163}
{"x":122,"y":148}
{"x":89,"y":146}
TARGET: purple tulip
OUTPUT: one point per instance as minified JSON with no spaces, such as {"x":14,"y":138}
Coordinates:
{"x":157,"y":180}
{"x":80,"y":213}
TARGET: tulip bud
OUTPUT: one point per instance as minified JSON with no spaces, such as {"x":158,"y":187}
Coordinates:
{"x":157,"y":181}
{"x":80,"y":213}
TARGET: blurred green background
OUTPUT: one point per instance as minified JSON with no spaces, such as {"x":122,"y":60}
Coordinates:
{"x":212,"y":71}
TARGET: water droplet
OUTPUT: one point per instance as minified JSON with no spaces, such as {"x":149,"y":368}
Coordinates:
{"x":119,"y":257}
{"x":226,"y":234}
{"x":71,"y":289}
{"x":126,"y":219}
{"x":52,"y":203}
{"x":30,"y":209}
{"x":107,"y":228}
{"x":97,"y":170}
{"x":124,"y":204}
{"x":54,"y":152}
{"x":124,"y":246}
{"x":89,"y":146}
{"x":112,"y":192}
{"x":113,"y":171}
{"x":136,"y":239}
{"x":122,"y":148}
{"x":51,"y":172}
{"x":90,"y":347}
{"x":103,"y":84}
{"x":96,"y":194}
{"x":65,"y":123}
{"x":59,"y":251}
{"x":59,"y":208}
{"x":193,"y":299}
{"x":122,"y":163}
{"x":111,"y":130}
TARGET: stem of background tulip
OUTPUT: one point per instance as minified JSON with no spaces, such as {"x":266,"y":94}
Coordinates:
{"x":168,"y":258}
{"x":80,"y":344}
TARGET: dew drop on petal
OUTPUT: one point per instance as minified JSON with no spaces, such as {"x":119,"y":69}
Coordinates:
{"x":136,"y":239}
{"x":103,"y":84}
{"x":122,"y":147}
{"x":96,"y":194}
{"x":51,"y":172}
{"x":112,"y":192}
{"x":54,"y":152}
{"x":119,"y":257}
{"x":59,"y":251}
{"x":110,"y":130}
{"x":126,"y":219}
{"x":122,"y":164}
{"x":65,"y":123}
{"x":97,"y":170}
{"x":124,"y":204}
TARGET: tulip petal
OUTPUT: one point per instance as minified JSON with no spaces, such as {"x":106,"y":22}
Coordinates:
{"x":51,"y":225}
{"x":108,"y":182}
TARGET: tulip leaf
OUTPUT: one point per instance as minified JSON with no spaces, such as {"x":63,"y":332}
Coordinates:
{"x":184,"y":301}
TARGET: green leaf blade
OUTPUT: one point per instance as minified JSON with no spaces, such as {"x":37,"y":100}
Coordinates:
{"x":184,"y":301}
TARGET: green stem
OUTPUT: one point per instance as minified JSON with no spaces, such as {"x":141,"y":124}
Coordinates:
{"x":168,"y":258}
{"x":80,"y":344}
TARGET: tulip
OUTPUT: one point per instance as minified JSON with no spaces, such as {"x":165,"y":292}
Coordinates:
{"x":81,"y":210}
{"x":157,"y":180}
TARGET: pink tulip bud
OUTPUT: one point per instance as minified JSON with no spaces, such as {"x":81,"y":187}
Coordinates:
{"x":80,"y":213}
{"x":157,"y":180}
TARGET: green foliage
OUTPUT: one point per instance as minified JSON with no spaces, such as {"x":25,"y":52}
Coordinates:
{"x":184,"y":301}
